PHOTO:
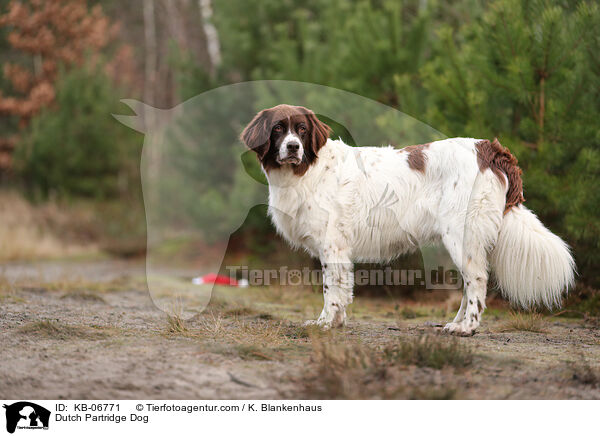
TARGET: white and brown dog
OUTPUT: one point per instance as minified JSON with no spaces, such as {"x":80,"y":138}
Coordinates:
{"x":345,"y":204}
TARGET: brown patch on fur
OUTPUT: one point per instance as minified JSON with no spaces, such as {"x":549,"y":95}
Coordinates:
{"x":416,"y":158}
{"x":494,"y":156}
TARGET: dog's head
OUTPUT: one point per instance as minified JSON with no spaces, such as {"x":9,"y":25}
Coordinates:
{"x":286,"y":136}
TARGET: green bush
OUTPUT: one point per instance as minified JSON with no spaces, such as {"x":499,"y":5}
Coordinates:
{"x":76,"y":148}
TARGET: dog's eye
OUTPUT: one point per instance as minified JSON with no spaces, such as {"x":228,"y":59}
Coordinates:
{"x":301,"y":129}
{"x":278,"y":128}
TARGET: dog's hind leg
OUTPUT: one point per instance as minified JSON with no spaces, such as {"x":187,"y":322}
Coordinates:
{"x":454,"y":245}
{"x":470,"y":250}
{"x":463,"y":307}
{"x":453,"y":241}
{"x":471,"y":309}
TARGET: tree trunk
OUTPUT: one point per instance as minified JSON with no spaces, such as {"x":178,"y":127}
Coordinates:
{"x":175,"y":23}
{"x":542,"y":109}
{"x":151,"y":143}
{"x":150,"y":52}
{"x":213,"y":45}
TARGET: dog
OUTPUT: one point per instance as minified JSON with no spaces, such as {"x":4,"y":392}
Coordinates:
{"x":347,"y":204}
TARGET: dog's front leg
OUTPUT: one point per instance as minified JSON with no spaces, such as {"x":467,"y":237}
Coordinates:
{"x":338,"y":282}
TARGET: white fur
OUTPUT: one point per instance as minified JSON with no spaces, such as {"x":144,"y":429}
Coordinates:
{"x":531,"y":264}
{"x":283,"y":149}
{"x":367,"y":204}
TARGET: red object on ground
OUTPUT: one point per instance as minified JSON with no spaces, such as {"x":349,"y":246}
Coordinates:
{"x":216,"y":279}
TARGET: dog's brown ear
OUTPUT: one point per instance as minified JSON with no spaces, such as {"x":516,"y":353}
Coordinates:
{"x":319,"y":132}
{"x":257,"y":134}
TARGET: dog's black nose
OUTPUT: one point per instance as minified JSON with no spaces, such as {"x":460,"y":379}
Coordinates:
{"x":293,"y":147}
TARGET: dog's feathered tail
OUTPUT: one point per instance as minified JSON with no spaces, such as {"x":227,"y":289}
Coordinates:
{"x":531,"y":264}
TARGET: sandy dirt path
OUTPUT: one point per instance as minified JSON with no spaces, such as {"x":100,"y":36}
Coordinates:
{"x":90,"y":331}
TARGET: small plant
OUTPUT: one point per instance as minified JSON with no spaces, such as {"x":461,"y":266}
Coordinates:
{"x":351,"y":371}
{"x":176,"y":324}
{"x":46,"y":328}
{"x":83,"y":296}
{"x":341,"y":371}
{"x":260,"y":332}
{"x":305,"y":331}
{"x":56,"y":330}
{"x":526,"y":322}
{"x":211,"y":325}
{"x":432,"y":352}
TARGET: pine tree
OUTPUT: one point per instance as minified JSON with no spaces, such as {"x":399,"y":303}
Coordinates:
{"x":372,"y":48}
{"x":527,"y":72}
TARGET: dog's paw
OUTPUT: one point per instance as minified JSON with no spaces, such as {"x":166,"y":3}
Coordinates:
{"x":330,"y":319}
{"x":458,"y":329}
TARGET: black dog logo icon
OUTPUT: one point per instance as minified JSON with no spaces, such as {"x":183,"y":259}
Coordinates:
{"x":27,"y":415}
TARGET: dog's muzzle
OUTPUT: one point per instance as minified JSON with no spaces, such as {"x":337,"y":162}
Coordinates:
{"x":291,"y":154}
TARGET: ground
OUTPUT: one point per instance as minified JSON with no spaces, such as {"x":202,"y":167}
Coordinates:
{"x":89,"y":330}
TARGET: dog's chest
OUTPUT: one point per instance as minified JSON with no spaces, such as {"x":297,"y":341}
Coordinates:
{"x":300,"y":216}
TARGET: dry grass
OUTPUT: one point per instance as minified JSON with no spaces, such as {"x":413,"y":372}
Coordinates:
{"x":306,"y":331}
{"x":524,"y":322}
{"x":175,"y":324}
{"x":254,"y":352}
{"x":432,"y":352}
{"x":229,"y":304}
{"x":74,"y":285}
{"x":342,"y":370}
{"x":8,"y":291}
{"x":84,"y":296}
{"x":73,"y":289}
{"x":208,"y":326}
{"x":293,"y":296}
{"x":212,"y":325}
{"x":238,"y":330}
{"x":266,"y":333}
{"x":27,"y":230}
{"x":248,"y":339}
{"x":239,"y":311}
{"x":56,"y":330}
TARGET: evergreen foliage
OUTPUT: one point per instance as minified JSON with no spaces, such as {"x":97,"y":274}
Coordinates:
{"x":527,"y":72}
{"x":75,"y":147}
